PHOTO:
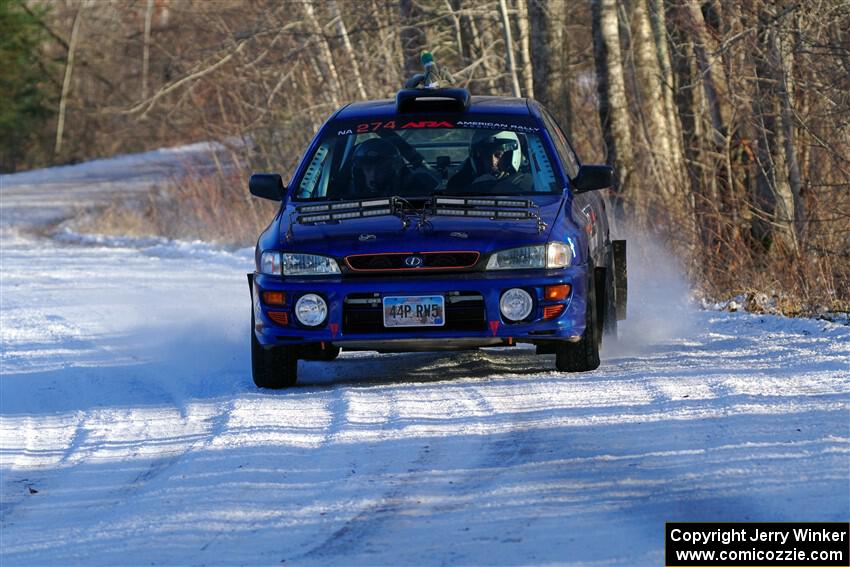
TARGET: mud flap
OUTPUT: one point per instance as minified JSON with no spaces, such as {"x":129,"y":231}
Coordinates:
{"x":251,"y":291}
{"x":621,"y":286}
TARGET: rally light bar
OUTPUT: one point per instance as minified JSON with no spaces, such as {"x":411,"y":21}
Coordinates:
{"x":476,"y":202}
{"x":343,"y":210}
{"x":485,"y":213}
{"x":495,"y":209}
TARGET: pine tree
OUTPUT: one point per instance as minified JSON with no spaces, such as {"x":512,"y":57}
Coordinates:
{"x":25,"y":91}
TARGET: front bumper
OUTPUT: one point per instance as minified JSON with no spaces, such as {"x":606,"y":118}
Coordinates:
{"x":492,"y":330}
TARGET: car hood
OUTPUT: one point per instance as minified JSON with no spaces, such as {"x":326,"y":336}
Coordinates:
{"x":387,"y":234}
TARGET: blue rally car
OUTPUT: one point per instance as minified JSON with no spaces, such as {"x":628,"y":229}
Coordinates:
{"x":435,"y":221}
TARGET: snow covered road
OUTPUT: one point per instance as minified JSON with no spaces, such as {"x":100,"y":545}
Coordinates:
{"x":131,"y":433}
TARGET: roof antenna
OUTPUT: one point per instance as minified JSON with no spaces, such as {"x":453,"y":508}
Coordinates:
{"x":430,"y":79}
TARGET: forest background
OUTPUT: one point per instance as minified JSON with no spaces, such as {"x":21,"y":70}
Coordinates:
{"x":727,"y":121}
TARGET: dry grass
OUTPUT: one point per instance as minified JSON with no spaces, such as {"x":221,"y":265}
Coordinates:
{"x":212,"y":207}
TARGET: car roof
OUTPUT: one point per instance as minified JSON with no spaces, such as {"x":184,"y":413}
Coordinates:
{"x":479,"y":105}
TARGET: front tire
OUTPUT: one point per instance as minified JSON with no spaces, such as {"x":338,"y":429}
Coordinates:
{"x":272,"y":367}
{"x":583,"y":356}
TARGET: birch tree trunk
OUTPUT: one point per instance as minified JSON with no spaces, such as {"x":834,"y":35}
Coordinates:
{"x":662,"y":142}
{"x":611,"y":91}
{"x":146,"y":49}
{"x":703,"y":196}
{"x":461,"y":49}
{"x":349,"y":50}
{"x":525,"y":50}
{"x":774,"y":190}
{"x":388,"y":56}
{"x":326,"y":56}
{"x":66,"y":82}
{"x":658,"y":21}
{"x":783,"y":47}
{"x":547,"y":44}
{"x":565,"y":92}
{"x":509,"y":48}
{"x":651,"y":101}
{"x":711,"y":70}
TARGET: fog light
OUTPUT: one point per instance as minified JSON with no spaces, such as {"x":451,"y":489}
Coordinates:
{"x":311,"y":310}
{"x":515,"y":304}
{"x":274,"y":297}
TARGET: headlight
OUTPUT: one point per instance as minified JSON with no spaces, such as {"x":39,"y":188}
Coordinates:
{"x":308,"y":265}
{"x":311,"y":310}
{"x":552,"y":255}
{"x":270,"y":263}
{"x":518,"y":258}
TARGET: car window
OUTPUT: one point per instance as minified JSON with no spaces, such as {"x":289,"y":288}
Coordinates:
{"x":409,"y":157}
{"x":562,"y":146}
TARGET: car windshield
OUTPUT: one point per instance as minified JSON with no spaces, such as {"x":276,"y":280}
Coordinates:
{"x":411,"y":157}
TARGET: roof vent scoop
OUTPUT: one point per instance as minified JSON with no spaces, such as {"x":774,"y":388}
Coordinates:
{"x":432,"y":100}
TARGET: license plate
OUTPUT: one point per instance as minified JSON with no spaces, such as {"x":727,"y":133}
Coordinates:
{"x":415,"y":311}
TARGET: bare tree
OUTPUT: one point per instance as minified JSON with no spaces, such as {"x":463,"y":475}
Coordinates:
{"x":412,"y":36}
{"x":524,"y":48}
{"x":509,"y":48}
{"x":777,"y":197}
{"x":334,"y":87}
{"x":727,"y":121}
{"x":711,"y":71}
{"x":611,"y":88}
{"x":69,"y":70}
{"x":146,"y":49}
{"x":349,"y":50}
{"x":546,"y":19}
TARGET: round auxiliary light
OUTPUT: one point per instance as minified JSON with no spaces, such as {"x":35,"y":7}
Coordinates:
{"x":311,"y":310}
{"x":516,"y":304}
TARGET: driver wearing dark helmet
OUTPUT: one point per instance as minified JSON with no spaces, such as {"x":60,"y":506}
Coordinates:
{"x":493,"y":156}
{"x":378,"y":170}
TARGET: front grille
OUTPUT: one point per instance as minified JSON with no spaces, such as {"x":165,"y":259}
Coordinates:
{"x":363,"y":313}
{"x":411,"y":262}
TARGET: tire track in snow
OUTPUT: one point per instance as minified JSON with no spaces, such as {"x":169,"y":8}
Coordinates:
{"x":520,"y":444}
{"x":483,"y":464}
{"x":355,"y":532}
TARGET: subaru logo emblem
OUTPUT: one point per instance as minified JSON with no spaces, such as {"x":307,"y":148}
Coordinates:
{"x":413,"y":261}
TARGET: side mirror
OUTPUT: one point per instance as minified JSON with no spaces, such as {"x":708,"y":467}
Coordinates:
{"x":591,"y":177}
{"x":266,"y":186}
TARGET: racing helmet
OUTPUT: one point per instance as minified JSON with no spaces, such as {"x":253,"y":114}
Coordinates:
{"x":376,"y":164}
{"x":488,"y":142}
